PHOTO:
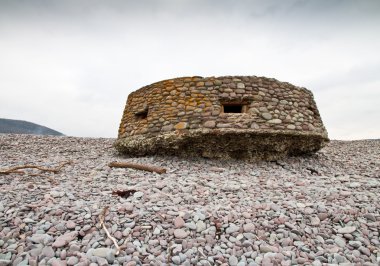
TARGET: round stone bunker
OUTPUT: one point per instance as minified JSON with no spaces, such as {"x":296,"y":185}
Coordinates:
{"x":245,"y":117}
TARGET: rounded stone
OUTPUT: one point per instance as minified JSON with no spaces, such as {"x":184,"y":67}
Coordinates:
{"x":201,"y":226}
{"x":250,"y":227}
{"x":240,"y":85}
{"x":179,"y":222}
{"x":138,"y":194}
{"x":266,"y":116}
{"x":72,"y":261}
{"x":181,"y":125}
{"x":209,"y":124}
{"x":180,"y":233}
{"x":233,"y":261}
{"x":70,"y":224}
{"x":128,"y":207}
{"x":275,"y":121}
{"x":232,"y":229}
{"x":347,"y":230}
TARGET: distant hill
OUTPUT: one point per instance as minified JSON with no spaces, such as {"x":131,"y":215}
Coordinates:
{"x":23,"y":127}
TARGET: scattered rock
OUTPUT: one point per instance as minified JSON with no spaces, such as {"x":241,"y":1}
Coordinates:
{"x":201,"y":226}
{"x":70,"y":224}
{"x":340,"y":242}
{"x":28,"y":221}
{"x":179,"y":222}
{"x":180,"y":233}
{"x":63,"y":240}
{"x":231,"y":186}
{"x":347,"y":230}
{"x":232,"y":229}
{"x":128,"y":207}
{"x":250,"y":227}
{"x":207,"y":212}
{"x":370,"y":217}
{"x":314,"y":220}
{"x":323,"y":216}
{"x":41,"y":239}
{"x":138,"y":194}
{"x":233,"y":261}
{"x":72,"y":261}
{"x":48,"y":252}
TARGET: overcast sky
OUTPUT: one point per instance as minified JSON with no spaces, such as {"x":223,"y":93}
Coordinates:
{"x":70,"y":65}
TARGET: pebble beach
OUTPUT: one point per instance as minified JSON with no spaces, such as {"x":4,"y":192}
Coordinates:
{"x":322,"y":209}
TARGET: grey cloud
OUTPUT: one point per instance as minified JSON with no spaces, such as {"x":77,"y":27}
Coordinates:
{"x":354,"y":76}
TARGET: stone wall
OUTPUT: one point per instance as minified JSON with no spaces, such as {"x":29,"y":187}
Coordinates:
{"x":218,"y":104}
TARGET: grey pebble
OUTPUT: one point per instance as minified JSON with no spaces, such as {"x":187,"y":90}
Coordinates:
{"x":200,"y":226}
{"x":86,"y":227}
{"x":138,"y":194}
{"x":48,"y":252}
{"x":28,"y":220}
{"x":232,"y":228}
{"x":72,"y":260}
{"x":176,"y":260}
{"x":130,"y":225}
{"x":191,"y":225}
{"x":233,"y":261}
{"x":340,"y":242}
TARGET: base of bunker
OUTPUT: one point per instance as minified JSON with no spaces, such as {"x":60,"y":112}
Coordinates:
{"x":223,"y":145}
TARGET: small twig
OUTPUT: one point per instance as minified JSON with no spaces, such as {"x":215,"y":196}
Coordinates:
{"x":149,"y":168}
{"x":126,"y":240}
{"x":146,"y":227}
{"x":169,"y":251}
{"x":102,"y":216}
{"x":41,"y":168}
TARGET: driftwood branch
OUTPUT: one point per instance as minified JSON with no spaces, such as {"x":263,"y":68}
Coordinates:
{"x":102,"y":216}
{"x":16,"y":169}
{"x":149,"y":168}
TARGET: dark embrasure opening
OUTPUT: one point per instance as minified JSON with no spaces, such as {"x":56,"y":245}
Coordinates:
{"x":233,"y":108}
{"x":141,"y":115}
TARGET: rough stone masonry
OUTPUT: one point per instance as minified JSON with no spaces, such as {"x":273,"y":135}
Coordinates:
{"x":243,"y":117}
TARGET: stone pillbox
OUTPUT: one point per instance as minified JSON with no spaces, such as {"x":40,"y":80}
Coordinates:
{"x":245,"y":117}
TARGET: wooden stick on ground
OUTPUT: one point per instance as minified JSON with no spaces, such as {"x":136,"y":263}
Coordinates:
{"x":102,"y":216}
{"x":41,"y":168}
{"x":149,"y":168}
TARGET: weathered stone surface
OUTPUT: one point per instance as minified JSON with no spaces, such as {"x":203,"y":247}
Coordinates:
{"x":275,"y":121}
{"x":181,"y":125}
{"x":240,"y":85}
{"x":266,"y":116}
{"x":180,"y":233}
{"x":247,"y":144}
{"x":209,"y":124}
{"x":63,"y":240}
{"x":347,"y":230}
{"x":168,"y":116}
{"x":167,"y":128}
